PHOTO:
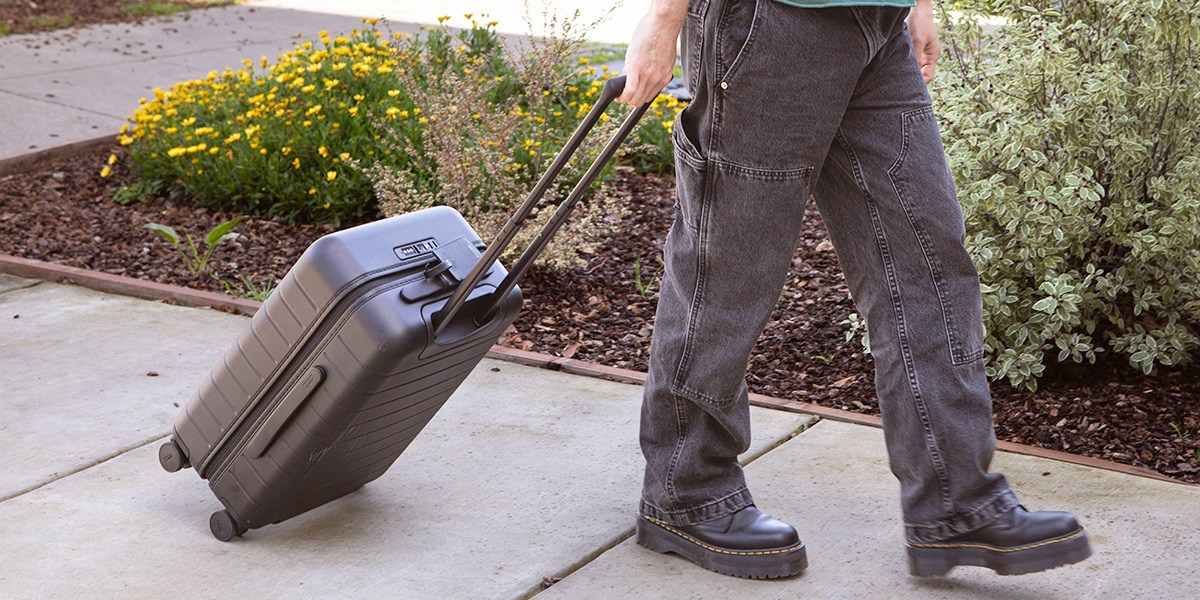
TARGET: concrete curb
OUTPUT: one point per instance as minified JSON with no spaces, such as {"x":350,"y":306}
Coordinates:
{"x":128,"y":286}
{"x":124,"y":286}
{"x":13,"y":163}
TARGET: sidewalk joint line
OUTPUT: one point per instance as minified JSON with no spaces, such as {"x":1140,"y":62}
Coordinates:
{"x":60,"y":476}
{"x":579,"y":564}
{"x":59,"y":104}
{"x":32,"y":283}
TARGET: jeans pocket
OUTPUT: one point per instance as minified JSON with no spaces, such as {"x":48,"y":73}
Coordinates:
{"x":736,"y":28}
{"x":926,"y":191}
{"x":747,"y":236}
{"x":691,"y":171}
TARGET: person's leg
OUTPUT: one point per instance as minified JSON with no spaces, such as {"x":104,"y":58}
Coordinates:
{"x":888,"y":200}
{"x":768,"y":91}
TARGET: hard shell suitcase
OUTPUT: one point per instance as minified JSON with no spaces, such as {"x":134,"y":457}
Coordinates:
{"x":364,"y":339}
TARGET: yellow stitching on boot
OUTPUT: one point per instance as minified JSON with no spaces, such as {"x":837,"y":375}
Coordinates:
{"x":1065,"y":538}
{"x":712,"y":549}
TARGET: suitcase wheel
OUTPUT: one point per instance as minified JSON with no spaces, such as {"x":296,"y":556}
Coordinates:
{"x":224,"y":527}
{"x":171,"y":457}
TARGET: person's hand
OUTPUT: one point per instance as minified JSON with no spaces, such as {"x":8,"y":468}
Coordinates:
{"x":925,"y":38}
{"x":650,"y":59}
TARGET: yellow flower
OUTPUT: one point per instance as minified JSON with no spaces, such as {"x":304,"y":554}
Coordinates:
{"x":345,"y":155}
{"x":393,"y":93}
{"x":286,"y":150}
{"x":112,"y":159}
{"x":312,"y":191}
{"x":176,"y":152}
{"x":443,"y":18}
{"x":106,"y":171}
{"x":331,"y":175}
{"x":322,"y":151}
{"x":353,"y":110}
{"x":263,"y":151}
{"x":308,"y":88}
{"x":296,"y":163}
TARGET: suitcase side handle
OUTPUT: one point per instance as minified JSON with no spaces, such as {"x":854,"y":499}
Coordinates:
{"x":609,"y":92}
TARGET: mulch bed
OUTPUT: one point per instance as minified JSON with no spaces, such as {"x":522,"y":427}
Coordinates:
{"x":28,"y":16}
{"x":603,"y":312}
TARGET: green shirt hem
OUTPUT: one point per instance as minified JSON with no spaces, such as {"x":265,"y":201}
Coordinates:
{"x":831,"y":3}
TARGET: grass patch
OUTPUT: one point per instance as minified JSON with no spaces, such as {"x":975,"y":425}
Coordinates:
{"x":52,"y":21}
{"x":5,"y":29}
{"x":162,"y":8}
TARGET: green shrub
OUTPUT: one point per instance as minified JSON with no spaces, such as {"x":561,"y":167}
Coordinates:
{"x":1073,"y":134}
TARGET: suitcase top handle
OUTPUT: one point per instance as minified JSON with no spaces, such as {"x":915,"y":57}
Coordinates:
{"x":611,"y":89}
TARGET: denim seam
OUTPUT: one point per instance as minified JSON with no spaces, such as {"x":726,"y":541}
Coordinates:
{"x":953,"y":337}
{"x":681,"y":428}
{"x":999,"y":504}
{"x":671,"y":515}
{"x":934,"y":454}
{"x":855,"y":168}
{"x":872,"y":45}
{"x":722,"y":25}
{"x":759,"y":173}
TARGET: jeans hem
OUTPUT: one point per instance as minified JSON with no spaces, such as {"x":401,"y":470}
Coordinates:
{"x":1000,"y":504}
{"x":690,"y":516}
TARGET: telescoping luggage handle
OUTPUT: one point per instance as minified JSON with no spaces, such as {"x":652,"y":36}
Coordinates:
{"x":611,"y":89}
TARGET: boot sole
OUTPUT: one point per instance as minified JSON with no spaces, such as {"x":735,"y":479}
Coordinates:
{"x":768,"y":563}
{"x":934,"y":560}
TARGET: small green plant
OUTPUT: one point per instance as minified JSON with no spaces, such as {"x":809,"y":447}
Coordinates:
{"x":1178,"y":431}
{"x":5,"y":28}
{"x":644,"y":286}
{"x":196,"y":261}
{"x":245,"y":287}
{"x":822,"y":358}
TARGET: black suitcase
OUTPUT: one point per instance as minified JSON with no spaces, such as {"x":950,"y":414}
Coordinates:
{"x":364,"y":339}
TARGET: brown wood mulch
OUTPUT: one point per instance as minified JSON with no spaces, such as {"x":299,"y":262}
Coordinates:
{"x":61,"y":211}
{"x":36,"y":16}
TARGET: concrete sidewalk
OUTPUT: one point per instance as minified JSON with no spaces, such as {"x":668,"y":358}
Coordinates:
{"x":526,"y":476}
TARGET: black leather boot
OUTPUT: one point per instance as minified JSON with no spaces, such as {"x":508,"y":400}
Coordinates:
{"x":747,"y":544}
{"x":1017,"y":543}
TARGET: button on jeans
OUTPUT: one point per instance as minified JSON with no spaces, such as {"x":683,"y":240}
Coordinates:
{"x":830,"y":102}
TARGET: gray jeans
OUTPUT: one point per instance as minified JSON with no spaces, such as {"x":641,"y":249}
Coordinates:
{"x":830,"y":102}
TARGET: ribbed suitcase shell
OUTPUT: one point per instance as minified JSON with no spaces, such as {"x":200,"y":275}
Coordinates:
{"x":272,"y":449}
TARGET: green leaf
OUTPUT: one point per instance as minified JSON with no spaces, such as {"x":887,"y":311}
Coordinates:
{"x":219,"y":233}
{"x":1046,"y":305}
{"x":165,"y":231}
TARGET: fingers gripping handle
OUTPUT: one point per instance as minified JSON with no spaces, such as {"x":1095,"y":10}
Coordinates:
{"x":610,"y":91}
